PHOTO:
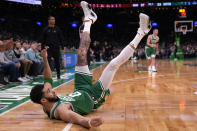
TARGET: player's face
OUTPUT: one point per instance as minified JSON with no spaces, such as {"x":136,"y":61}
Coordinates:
{"x":49,"y":94}
{"x":156,"y":32}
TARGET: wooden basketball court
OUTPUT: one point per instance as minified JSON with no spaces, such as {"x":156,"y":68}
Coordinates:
{"x":139,"y":101}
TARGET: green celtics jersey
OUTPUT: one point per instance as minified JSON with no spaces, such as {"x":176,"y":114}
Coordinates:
{"x":80,"y":101}
{"x":154,"y":40}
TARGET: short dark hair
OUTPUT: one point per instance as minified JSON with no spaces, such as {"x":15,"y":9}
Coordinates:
{"x":155,"y":29}
{"x":50,"y":17}
{"x":36,"y":93}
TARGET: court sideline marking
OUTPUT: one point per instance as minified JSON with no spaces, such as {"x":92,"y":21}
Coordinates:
{"x":67,"y":127}
{"x":147,"y":77}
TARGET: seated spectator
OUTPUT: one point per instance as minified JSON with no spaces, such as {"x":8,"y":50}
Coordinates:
{"x":10,"y":68}
{"x":107,"y":51}
{"x":21,"y":56}
{"x":25,"y":47}
{"x":32,"y":55}
{"x":9,"y":53}
{"x":96,"y":50}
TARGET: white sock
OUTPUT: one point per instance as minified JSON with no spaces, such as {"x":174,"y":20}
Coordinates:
{"x":87,"y":26}
{"x":136,"y":40}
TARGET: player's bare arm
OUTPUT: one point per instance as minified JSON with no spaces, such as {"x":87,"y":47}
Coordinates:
{"x":47,"y":70}
{"x":66,"y":114}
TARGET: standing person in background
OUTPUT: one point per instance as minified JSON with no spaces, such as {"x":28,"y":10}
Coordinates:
{"x":175,"y":51}
{"x":53,"y":38}
{"x":152,"y":48}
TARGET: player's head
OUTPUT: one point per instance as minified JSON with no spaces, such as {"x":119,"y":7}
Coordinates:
{"x":155,"y":31}
{"x":41,"y":94}
{"x":51,"y":20}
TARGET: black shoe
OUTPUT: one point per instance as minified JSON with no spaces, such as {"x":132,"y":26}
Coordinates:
{"x":3,"y":82}
{"x":15,"y":81}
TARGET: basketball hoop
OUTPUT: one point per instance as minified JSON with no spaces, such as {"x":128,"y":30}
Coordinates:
{"x":183,"y":26}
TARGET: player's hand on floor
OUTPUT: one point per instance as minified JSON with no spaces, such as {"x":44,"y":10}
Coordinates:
{"x":96,"y":121}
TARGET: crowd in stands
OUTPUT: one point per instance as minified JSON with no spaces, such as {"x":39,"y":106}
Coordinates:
{"x":20,"y":61}
{"x":106,"y":51}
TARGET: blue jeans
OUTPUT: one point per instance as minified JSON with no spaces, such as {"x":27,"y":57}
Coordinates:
{"x":11,"y":70}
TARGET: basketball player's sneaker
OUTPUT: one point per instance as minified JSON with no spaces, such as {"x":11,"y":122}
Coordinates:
{"x":154,"y":69}
{"x":88,"y":12}
{"x":145,"y":24}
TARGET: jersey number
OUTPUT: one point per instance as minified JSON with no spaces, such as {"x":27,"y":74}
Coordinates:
{"x":75,"y":94}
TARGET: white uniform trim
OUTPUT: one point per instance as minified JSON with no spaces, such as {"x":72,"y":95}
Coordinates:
{"x":83,"y":69}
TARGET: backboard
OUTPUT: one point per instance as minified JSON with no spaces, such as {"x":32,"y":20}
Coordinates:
{"x":183,"y":26}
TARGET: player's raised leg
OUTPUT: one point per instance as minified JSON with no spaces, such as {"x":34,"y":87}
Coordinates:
{"x":89,"y":18}
{"x":109,"y":72}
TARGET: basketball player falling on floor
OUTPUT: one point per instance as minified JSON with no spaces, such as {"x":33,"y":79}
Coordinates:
{"x":151,"y":49}
{"x":86,"y":96}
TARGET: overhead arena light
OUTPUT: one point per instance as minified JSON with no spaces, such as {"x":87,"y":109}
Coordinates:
{"x":155,"y":24}
{"x":3,"y":19}
{"x":74,"y":25}
{"x":109,"y":25}
{"x":39,"y":23}
{"x":195,"y":23}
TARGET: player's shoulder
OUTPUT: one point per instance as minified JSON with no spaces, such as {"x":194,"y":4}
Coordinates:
{"x":61,"y":109}
{"x":150,"y":36}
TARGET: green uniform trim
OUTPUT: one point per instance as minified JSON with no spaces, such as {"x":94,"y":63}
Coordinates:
{"x":49,"y":80}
